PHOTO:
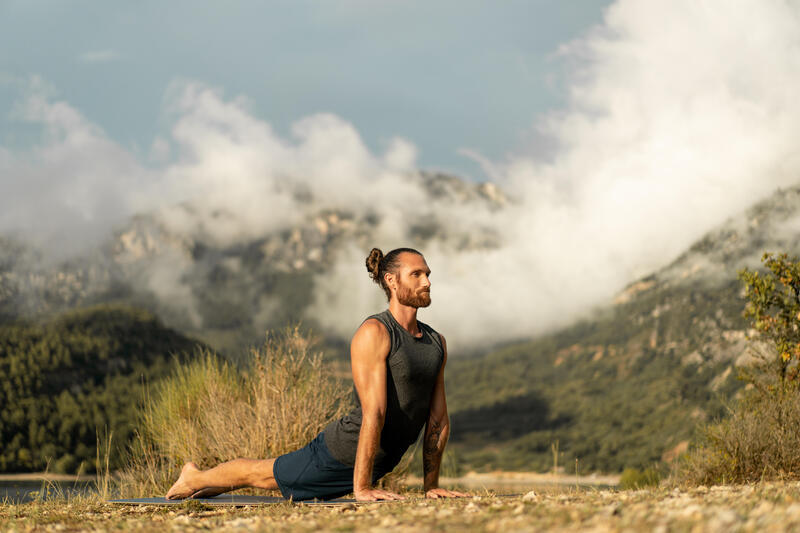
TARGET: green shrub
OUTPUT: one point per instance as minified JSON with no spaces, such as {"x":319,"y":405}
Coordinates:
{"x":633,"y":479}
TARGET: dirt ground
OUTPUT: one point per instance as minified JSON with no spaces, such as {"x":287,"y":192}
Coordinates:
{"x":763,"y":508}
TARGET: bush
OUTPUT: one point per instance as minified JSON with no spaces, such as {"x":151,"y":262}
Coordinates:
{"x":633,"y":479}
{"x":209,"y":412}
{"x":759,"y":440}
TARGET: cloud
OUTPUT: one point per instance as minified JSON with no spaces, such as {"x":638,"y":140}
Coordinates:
{"x":67,"y":191}
{"x":99,"y":56}
{"x":679,"y":115}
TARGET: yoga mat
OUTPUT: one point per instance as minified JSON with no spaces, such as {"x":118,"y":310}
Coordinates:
{"x":235,"y":500}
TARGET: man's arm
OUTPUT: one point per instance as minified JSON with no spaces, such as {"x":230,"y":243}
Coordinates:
{"x":437,"y":431}
{"x":368,"y":352}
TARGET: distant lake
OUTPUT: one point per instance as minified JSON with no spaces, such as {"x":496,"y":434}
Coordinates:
{"x":21,"y":491}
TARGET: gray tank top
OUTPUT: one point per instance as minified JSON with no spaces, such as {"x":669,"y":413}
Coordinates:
{"x":411,"y":370}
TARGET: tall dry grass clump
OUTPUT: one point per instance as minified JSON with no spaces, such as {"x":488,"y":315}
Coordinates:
{"x":759,"y":440}
{"x":209,"y":411}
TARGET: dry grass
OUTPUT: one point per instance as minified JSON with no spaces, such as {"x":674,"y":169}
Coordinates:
{"x":759,"y":441}
{"x":762,"y":507}
{"x":209,"y":411}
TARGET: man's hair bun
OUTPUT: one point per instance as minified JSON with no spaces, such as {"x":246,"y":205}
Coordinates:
{"x":374,"y":264}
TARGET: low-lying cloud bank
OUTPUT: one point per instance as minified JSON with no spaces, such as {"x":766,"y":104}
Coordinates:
{"x":679,"y":115}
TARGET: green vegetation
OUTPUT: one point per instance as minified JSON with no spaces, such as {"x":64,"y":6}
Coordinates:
{"x":633,"y":479}
{"x":761,"y":437}
{"x":208,"y":411}
{"x":68,"y":379}
{"x":615,"y":392}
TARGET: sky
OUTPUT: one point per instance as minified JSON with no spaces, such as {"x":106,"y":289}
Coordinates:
{"x":622,"y":133}
{"x":452,"y":76}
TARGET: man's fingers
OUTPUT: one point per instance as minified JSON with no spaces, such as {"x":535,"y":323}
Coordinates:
{"x":375,"y":495}
{"x":444,"y":493}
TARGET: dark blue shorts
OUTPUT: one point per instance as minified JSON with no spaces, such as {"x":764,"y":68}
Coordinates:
{"x":312,"y":472}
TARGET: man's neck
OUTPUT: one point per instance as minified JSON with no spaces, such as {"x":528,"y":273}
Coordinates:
{"x":406,"y":316}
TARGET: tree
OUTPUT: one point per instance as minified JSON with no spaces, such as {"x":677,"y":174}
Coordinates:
{"x":773,"y":310}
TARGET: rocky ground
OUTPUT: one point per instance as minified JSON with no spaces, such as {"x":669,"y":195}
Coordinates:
{"x":764,"y":508}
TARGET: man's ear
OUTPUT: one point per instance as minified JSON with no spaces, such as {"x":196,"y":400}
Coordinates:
{"x":390,"y":279}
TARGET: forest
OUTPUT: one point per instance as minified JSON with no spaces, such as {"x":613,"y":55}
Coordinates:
{"x":71,"y":379}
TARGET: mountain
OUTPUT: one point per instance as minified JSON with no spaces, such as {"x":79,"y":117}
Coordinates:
{"x":226,"y":288}
{"x":628,"y":387}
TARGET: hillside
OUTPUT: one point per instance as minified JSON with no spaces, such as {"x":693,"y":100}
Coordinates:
{"x":63,"y":379}
{"x":627,"y":387}
{"x":227,"y":290}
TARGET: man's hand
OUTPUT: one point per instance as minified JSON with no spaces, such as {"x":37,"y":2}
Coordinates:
{"x":444,"y":493}
{"x":373,"y":495}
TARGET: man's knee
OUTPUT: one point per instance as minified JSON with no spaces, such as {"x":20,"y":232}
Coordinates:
{"x":263,"y":475}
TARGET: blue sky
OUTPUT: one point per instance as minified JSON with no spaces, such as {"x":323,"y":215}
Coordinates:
{"x":445,"y":75}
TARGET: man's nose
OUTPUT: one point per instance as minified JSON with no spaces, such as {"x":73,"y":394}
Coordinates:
{"x":426,"y":282}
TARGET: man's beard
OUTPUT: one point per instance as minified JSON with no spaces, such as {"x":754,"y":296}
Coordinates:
{"x":406,"y":296}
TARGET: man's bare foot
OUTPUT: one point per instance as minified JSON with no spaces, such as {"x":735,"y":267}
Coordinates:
{"x":209,"y":492}
{"x":183,"y":487}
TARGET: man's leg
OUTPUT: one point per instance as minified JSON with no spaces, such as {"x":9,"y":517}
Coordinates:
{"x":223,"y":478}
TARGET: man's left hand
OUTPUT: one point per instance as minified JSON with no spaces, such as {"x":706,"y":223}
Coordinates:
{"x":444,"y":493}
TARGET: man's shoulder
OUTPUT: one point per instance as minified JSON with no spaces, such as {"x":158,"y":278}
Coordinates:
{"x":373,"y":328}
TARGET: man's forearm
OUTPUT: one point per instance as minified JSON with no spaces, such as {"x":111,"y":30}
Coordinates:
{"x":436,"y":434}
{"x":368,"y":440}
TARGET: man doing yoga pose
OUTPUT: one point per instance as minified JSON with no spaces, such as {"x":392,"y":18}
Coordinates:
{"x":398,"y":374}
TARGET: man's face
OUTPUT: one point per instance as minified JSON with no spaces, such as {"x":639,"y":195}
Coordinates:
{"x":413,"y":281}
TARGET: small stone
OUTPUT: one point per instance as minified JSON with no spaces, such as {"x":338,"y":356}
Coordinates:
{"x":530,"y":496}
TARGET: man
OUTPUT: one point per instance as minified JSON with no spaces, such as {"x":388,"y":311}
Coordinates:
{"x":398,"y":374}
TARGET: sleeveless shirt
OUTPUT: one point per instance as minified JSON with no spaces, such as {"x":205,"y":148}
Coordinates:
{"x":412,"y":367}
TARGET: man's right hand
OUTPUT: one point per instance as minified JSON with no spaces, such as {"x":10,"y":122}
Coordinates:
{"x":373,"y":495}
